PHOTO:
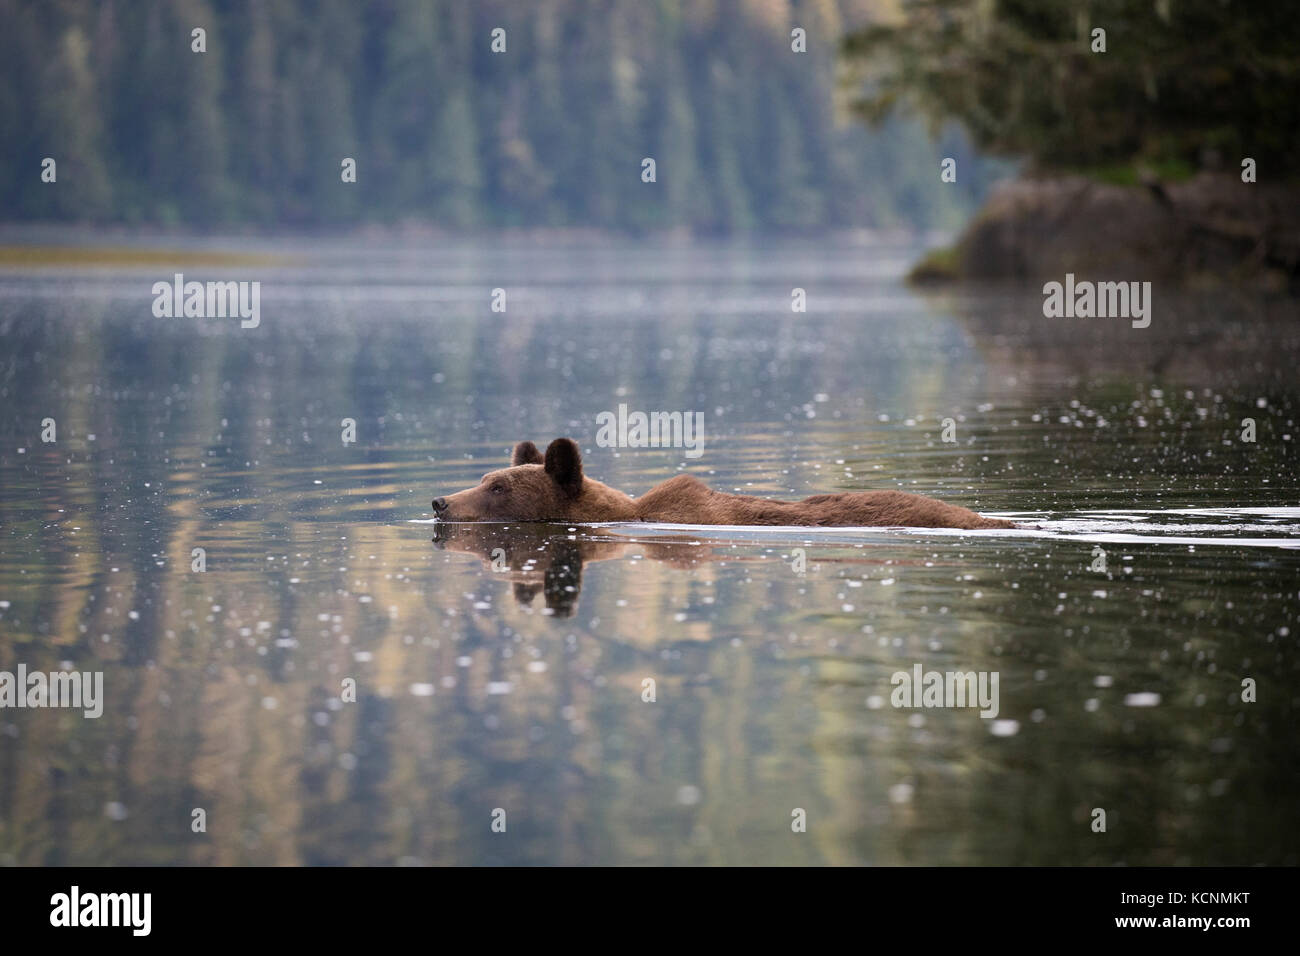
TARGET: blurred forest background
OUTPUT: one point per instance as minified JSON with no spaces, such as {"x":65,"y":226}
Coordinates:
{"x":744,"y":131}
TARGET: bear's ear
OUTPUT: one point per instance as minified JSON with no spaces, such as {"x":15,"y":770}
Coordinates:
{"x":526,"y":453}
{"x":564,"y":464}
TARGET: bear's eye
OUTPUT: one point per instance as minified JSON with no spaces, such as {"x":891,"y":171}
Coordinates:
{"x":498,"y":489}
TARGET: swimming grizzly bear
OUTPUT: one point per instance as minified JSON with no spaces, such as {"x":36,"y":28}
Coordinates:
{"x":553,"y":488}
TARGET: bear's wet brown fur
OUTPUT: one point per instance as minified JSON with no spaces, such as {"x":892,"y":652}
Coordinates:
{"x":553,"y":488}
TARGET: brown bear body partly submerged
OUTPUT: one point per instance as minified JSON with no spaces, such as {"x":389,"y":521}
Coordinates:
{"x":553,"y":488}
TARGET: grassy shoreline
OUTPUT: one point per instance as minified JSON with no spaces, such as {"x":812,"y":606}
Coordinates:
{"x":35,"y":256}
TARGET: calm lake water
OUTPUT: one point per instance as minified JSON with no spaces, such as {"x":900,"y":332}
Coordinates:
{"x":1160,"y":571}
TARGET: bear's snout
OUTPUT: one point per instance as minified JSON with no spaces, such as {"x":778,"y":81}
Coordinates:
{"x":462,"y":506}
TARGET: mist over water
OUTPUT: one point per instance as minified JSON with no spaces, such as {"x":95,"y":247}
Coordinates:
{"x":520,"y":686}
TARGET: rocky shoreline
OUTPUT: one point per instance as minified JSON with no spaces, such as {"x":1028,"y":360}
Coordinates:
{"x":1207,"y":231}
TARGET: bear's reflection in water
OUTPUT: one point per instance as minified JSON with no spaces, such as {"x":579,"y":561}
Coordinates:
{"x":549,"y":557}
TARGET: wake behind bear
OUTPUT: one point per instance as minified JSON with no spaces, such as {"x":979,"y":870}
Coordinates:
{"x":553,"y":488}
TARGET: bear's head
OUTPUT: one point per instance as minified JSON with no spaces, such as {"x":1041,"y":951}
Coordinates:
{"x":537,"y":488}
